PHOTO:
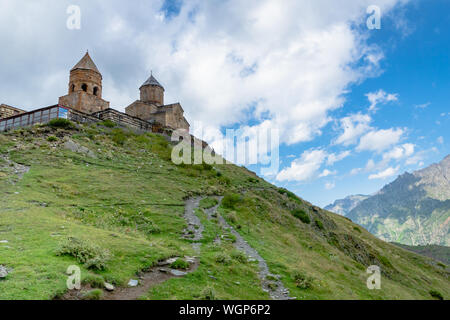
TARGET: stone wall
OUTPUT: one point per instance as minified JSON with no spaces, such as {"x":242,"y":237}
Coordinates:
{"x":8,"y":111}
{"x":171,"y":115}
{"x":174,"y":116}
{"x":141,"y":110}
{"x":90,"y":78}
{"x":83,"y":102}
{"x":152,"y":95}
{"x":81,"y":117}
{"x":125,"y":120}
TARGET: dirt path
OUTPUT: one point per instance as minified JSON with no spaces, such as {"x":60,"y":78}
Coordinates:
{"x":270,"y":283}
{"x":147,"y":280}
{"x":156,"y":275}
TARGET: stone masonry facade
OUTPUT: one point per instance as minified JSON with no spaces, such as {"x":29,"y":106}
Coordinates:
{"x":8,"y":111}
{"x":84,"y":103}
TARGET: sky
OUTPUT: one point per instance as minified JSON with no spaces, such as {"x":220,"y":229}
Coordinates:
{"x":353,"y":107}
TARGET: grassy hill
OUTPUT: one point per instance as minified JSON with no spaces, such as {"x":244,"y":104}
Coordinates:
{"x":439,"y":253}
{"x":113,"y":203}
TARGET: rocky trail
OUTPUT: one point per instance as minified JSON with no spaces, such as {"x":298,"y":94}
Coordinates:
{"x":270,"y":283}
{"x":195,"y":228}
{"x":146,"y":279}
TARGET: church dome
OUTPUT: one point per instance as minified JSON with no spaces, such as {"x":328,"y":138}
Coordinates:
{"x":152,"y":82}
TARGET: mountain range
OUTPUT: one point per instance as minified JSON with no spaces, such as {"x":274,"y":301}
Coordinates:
{"x":413,"y":210}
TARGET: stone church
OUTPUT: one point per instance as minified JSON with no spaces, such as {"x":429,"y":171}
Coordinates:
{"x":84,"y":103}
{"x":85,"y":95}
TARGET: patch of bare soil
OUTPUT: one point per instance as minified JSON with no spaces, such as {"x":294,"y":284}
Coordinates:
{"x":147,"y":280}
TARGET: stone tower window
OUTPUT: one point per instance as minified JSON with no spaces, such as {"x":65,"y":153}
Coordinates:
{"x":95,"y":91}
{"x":72,"y":88}
{"x":84,"y":87}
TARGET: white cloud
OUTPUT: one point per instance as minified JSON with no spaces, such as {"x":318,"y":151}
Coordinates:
{"x":399,"y":152}
{"x":422,"y":106}
{"x":370,"y":166}
{"x":333,"y":157}
{"x":225,"y":61}
{"x":379,"y":140}
{"x":378,"y":97}
{"x":353,"y":127}
{"x":326,"y":173}
{"x":304,"y":168}
{"x":330,"y":185}
{"x":389,"y":172}
{"x":440,"y":140}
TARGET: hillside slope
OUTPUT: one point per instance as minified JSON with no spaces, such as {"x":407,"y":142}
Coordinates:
{"x":414,"y":209}
{"x":439,"y":253}
{"x":113,"y":203}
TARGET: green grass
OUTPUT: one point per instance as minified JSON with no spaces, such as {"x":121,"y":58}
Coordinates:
{"x":179,"y":264}
{"x":208,"y":203}
{"x":95,"y":294}
{"x":129,"y":201}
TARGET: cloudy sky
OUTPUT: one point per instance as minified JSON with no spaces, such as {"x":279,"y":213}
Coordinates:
{"x":354,"y":106}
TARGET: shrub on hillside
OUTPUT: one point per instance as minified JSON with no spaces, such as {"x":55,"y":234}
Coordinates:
{"x":289,"y":194}
{"x":222,"y":259}
{"x":230,"y":200}
{"x":224,"y":180}
{"x":119,"y":137}
{"x":60,"y":123}
{"x":91,"y":256}
{"x":385,"y":261}
{"x":319,"y":224}
{"x":302,"y":215}
{"x":302,"y":281}
{"x":357,"y":229}
{"x":107,"y":123}
{"x":436,"y":294}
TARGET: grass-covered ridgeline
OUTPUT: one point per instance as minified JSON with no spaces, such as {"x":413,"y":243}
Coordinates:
{"x":125,"y":199}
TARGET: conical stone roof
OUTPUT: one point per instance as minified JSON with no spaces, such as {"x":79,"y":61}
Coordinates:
{"x":152,"y":82}
{"x":86,"y":63}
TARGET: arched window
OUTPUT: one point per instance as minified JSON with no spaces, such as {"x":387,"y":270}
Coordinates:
{"x":84,"y":87}
{"x":72,"y":88}
{"x":95,"y":91}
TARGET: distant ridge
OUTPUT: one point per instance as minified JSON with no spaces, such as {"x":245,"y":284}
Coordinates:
{"x":414,"y":209}
{"x":344,"y":206}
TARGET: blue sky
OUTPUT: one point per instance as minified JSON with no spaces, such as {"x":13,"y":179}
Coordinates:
{"x":416,"y":68}
{"x":354,"y":107}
